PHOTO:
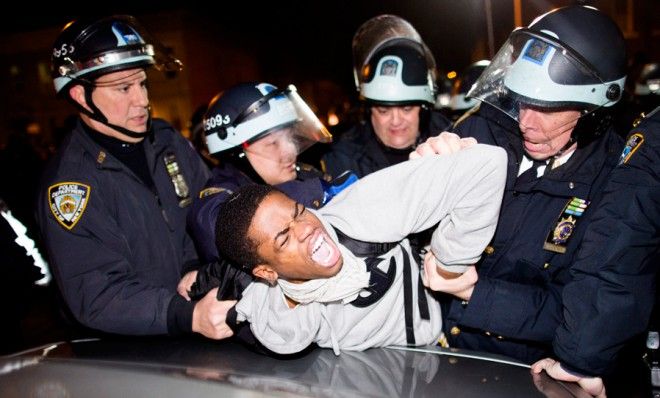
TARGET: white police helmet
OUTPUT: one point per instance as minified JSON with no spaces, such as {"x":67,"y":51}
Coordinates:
{"x":247,"y":112}
{"x":570,"y":58}
{"x":391,"y":63}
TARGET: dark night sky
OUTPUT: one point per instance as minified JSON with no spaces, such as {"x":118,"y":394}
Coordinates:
{"x":313,"y":37}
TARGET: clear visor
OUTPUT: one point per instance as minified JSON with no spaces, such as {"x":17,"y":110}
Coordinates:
{"x":288,"y":128}
{"x":279,"y":147}
{"x":164,"y":59}
{"x":377,"y":32}
{"x":274,"y":155}
{"x":536,"y":71}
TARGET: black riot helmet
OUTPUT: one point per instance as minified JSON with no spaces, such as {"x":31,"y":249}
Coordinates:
{"x":248,"y":112}
{"x":391,"y":63}
{"x":570,"y":58}
{"x":397,"y":75}
{"x":86,"y":50}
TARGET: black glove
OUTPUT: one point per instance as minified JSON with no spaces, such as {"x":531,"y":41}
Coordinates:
{"x":228,"y":278}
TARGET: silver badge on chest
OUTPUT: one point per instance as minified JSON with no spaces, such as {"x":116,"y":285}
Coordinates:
{"x":180,"y":186}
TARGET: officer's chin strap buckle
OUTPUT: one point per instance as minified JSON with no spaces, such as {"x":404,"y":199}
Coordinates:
{"x":652,"y":359}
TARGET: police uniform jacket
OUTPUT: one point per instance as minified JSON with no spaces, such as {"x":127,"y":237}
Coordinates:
{"x":610,"y":298}
{"x":360,"y":151}
{"x":461,"y":193}
{"x":516,"y":305}
{"x":117,"y":247}
{"x":306,"y":188}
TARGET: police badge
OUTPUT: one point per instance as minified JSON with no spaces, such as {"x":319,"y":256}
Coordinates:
{"x":558,"y":238}
{"x":563,"y":230}
{"x":180,"y":186}
{"x":67,"y":202}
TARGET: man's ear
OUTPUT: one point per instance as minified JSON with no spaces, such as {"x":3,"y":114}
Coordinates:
{"x":77,"y":93}
{"x":265,"y":272}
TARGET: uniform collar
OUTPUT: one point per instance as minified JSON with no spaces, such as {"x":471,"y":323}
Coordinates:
{"x":154,"y":144}
{"x":112,"y":144}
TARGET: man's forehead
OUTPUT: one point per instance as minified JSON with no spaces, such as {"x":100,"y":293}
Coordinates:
{"x":122,"y":77}
{"x":273,"y":210}
{"x":276,"y":203}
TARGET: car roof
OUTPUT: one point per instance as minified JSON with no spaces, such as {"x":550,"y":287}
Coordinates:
{"x":164,"y":367}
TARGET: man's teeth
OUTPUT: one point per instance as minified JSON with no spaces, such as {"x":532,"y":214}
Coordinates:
{"x":322,"y":251}
{"x":317,"y":245}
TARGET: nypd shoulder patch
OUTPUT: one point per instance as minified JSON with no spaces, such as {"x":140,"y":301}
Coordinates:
{"x":67,"y":202}
{"x":633,"y":143}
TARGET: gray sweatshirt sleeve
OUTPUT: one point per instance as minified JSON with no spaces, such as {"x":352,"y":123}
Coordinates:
{"x":279,"y":328}
{"x":462,"y":191}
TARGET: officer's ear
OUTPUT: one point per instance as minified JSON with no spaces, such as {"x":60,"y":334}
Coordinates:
{"x":77,"y":93}
{"x":265,"y":272}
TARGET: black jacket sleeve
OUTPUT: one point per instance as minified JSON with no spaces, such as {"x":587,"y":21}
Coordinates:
{"x":610,"y":297}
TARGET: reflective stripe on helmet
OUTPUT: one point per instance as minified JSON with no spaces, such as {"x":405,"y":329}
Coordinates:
{"x":281,"y":113}
{"x":387,"y":84}
{"x":133,"y":58}
{"x":531,"y":78}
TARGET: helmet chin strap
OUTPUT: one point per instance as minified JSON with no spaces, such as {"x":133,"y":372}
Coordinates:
{"x":591,"y":125}
{"x":98,"y":116}
{"x":575,"y":137}
{"x":563,"y":150}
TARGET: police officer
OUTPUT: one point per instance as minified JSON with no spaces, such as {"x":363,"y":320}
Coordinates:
{"x":458,"y":103}
{"x":113,"y":204}
{"x":395,"y":75}
{"x":256,"y":131}
{"x":546,"y":97}
{"x":612,"y":294}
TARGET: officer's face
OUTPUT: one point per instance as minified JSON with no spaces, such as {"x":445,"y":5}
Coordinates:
{"x":274,"y":157}
{"x":396,"y":126}
{"x":122,"y":98}
{"x":545,"y":133}
{"x":292,"y":242}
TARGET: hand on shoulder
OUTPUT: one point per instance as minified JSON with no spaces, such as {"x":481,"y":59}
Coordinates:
{"x":443,"y":144}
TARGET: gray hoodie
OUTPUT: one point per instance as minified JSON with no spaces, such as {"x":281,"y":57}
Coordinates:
{"x":461,"y":193}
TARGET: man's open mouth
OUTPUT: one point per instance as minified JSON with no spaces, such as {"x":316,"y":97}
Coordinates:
{"x":324,"y":252}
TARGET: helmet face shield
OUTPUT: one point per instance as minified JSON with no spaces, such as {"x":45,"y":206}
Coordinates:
{"x":534,"y":70}
{"x":379,"y":30}
{"x":281,"y":145}
{"x":391,"y":63}
{"x":281,"y":115}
